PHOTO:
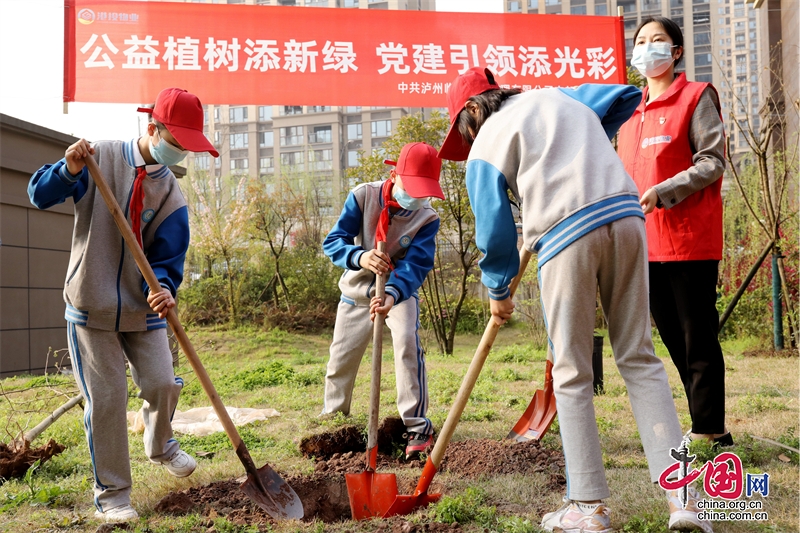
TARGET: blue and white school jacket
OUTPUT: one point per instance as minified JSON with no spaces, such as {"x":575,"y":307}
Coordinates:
{"x":104,"y":288}
{"x":411,"y":244}
{"x":551,"y":149}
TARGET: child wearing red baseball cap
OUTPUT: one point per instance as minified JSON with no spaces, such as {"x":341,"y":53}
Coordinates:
{"x":581,"y":216}
{"x":397,"y":212}
{"x":112,"y":315}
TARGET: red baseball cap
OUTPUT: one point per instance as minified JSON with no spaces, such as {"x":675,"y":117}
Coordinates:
{"x":182,"y":114}
{"x":473,"y":82}
{"x":419,"y":167}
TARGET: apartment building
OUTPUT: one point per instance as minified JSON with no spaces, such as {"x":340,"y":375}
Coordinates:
{"x":301,"y":146}
{"x":721,"y":39}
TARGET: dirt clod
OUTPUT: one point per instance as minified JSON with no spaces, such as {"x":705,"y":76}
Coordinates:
{"x":15,"y":462}
{"x":352,"y":439}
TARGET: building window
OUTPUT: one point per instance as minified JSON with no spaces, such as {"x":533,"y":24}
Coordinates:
{"x":350,"y":3}
{"x":381,"y":128}
{"x":217,"y":136}
{"x":514,"y":6}
{"x":353,"y":131}
{"x":352,"y":158}
{"x":599,"y":9}
{"x":533,"y":6}
{"x":205,"y":116}
{"x":239,"y":140}
{"x":238,"y":114}
{"x":292,"y":161}
{"x":201,"y":162}
{"x":577,"y":10}
{"x":266,"y":165}
{"x":264,"y":113}
{"x":292,"y":135}
{"x":319,"y":134}
{"x":216,"y":115}
{"x":318,"y":108}
{"x":265,"y":139}
{"x":651,"y":5}
{"x":239,"y":166}
{"x":320,"y":159}
{"x":353,"y":109}
{"x":291,"y":110}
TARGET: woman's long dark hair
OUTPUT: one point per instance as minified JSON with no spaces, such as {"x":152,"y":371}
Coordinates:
{"x":487,"y":103}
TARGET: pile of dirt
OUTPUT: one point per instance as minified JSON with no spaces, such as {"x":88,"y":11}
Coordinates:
{"x":473,"y":458}
{"x":324,"y":498}
{"x":323,"y":446}
{"x":15,"y":461}
{"x":355,"y":462}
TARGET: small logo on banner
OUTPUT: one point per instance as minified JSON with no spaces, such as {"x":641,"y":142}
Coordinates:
{"x":662,"y":120}
{"x":405,"y":241}
{"x":147,"y":215}
{"x":660,"y":139}
{"x":86,"y":16}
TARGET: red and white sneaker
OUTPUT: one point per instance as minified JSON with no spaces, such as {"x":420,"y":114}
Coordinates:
{"x":417,"y":443}
{"x":574,"y":517}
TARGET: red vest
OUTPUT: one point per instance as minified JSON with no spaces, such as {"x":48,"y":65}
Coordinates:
{"x":654,"y":146}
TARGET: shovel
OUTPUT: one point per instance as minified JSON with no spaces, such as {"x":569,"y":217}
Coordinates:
{"x":539,"y":415}
{"x":263,"y":485}
{"x":372,"y":494}
{"x":406,"y":504}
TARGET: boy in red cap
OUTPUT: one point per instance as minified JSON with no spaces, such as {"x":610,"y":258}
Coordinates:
{"x":581,"y":216}
{"x":112,"y":315}
{"x":397,"y":212}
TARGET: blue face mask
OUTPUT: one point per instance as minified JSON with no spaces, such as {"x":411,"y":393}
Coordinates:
{"x":165,"y":153}
{"x":407,"y":201}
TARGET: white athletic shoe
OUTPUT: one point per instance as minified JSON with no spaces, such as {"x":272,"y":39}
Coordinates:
{"x":123,"y":513}
{"x":181,"y":464}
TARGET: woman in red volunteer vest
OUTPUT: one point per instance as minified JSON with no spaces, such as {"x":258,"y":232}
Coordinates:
{"x":674,"y":148}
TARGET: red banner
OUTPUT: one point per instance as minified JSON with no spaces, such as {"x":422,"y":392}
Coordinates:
{"x":127,"y":51}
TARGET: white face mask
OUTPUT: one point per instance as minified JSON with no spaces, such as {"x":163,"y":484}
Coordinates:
{"x":652,"y":59}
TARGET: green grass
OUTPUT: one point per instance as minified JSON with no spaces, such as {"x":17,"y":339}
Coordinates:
{"x":284,"y":371}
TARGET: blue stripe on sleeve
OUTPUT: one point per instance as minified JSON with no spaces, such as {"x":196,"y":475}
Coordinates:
{"x":613,"y":104}
{"x":495,"y":232}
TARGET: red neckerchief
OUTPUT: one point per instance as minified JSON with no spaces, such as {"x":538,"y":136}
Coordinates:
{"x":137,"y":204}
{"x":385,"y":219}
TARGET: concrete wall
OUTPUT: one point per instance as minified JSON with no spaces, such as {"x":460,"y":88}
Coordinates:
{"x":34,"y":252}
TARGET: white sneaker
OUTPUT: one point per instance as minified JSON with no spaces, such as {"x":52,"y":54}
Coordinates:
{"x":571,"y":518}
{"x":686,"y":519}
{"x":123,"y":513}
{"x":181,"y":464}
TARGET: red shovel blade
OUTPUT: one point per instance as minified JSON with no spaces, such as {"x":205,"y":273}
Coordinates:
{"x":540,"y":413}
{"x":404,"y":505}
{"x":371,"y":494}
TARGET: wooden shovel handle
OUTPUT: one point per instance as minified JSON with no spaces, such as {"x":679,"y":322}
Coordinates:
{"x":471,"y":377}
{"x":377,"y":359}
{"x":172,"y":317}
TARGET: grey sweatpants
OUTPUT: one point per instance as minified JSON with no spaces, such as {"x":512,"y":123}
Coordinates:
{"x":98,"y":359}
{"x":351,"y":335}
{"x":614,"y":257}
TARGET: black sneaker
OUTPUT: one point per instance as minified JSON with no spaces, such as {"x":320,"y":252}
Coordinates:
{"x":723,"y":441}
{"x":417,"y":443}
